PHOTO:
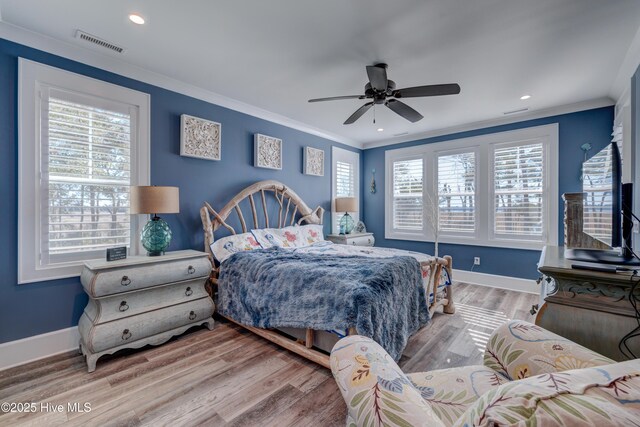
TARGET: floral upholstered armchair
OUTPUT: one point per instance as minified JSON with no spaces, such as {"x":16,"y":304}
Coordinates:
{"x":530,"y":377}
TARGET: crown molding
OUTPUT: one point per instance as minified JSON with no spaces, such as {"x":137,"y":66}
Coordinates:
{"x":531,"y":115}
{"x":109,"y":62}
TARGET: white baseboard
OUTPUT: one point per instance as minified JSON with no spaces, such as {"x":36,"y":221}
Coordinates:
{"x":495,"y":281}
{"x":19,"y":352}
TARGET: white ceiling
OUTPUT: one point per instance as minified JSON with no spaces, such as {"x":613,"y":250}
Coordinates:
{"x":276,"y":54}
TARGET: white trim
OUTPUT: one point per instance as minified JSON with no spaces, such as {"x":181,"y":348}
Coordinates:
{"x":495,"y":281}
{"x":109,"y":62}
{"x":536,"y":114}
{"x":33,"y":77}
{"x":483,"y":145}
{"x":30,"y":349}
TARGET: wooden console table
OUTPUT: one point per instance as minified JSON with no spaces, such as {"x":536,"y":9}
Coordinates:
{"x":589,"y":307}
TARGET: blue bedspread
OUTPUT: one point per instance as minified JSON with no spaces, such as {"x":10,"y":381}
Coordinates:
{"x":382,"y":297}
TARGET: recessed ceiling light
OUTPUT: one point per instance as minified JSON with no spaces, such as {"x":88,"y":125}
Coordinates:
{"x":136,"y":19}
{"x":523,"y":97}
{"x":380,"y":129}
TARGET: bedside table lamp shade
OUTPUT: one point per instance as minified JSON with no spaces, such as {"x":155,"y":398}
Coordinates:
{"x":346,"y":205}
{"x":156,"y":235}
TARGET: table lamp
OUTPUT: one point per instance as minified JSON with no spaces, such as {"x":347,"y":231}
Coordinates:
{"x":156,"y":234}
{"x":346,"y":205}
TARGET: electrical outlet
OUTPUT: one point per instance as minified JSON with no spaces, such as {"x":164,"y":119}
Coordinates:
{"x":476,"y":260}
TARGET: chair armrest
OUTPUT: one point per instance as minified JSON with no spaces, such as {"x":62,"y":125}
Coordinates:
{"x":374,"y":388}
{"x":519,"y":349}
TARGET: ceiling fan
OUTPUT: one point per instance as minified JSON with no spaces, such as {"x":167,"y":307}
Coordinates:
{"x":380,"y":88}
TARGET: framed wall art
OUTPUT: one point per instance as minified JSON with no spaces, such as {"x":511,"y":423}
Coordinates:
{"x":200,"y":138}
{"x":313,"y":161}
{"x":267,"y":152}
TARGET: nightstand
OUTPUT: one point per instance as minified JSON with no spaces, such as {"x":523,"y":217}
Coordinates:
{"x":353,"y":239}
{"x":142,"y":300}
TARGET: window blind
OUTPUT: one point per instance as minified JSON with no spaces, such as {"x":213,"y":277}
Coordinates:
{"x":597,"y":179}
{"x":456,"y":192}
{"x":407,"y":195}
{"x":86,"y":178}
{"x":518,"y":189}
{"x":345,"y":180}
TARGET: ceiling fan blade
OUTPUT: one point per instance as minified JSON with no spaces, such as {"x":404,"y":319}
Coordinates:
{"x":430,"y":90}
{"x":359,"y":112}
{"x":378,"y":77}
{"x":404,"y":110}
{"x":336,"y":98}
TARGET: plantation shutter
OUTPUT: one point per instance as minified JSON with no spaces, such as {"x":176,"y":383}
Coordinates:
{"x":86,"y":174}
{"x":597,"y":181}
{"x":407,"y":195}
{"x":456,"y":192}
{"x":518,"y":191}
{"x":345,"y":179}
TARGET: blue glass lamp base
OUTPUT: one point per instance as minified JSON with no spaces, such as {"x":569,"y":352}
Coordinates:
{"x":156,"y":236}
{"x":346,"y":224}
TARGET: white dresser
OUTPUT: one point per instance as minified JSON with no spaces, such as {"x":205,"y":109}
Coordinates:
{"x":142,"y":300}
{"x":354,"y":239}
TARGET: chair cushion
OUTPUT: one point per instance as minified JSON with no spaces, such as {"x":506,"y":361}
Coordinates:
{"x":450,"y":392}
{"x":601,"y":396}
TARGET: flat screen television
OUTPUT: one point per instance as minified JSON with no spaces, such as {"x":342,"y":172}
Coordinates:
{"x":607,"y":204}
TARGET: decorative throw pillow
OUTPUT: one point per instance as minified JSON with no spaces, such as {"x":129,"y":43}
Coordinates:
{"x":311,"y":233}
{"x":287,"y":237}
{"x":227,"y":246}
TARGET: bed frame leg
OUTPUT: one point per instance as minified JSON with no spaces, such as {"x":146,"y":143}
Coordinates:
{"x":352,"y":331}
{"x":449,"y":308}
{"x":309,"y":338}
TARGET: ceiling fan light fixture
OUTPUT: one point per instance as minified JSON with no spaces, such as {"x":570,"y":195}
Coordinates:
{"x":136,"y":19}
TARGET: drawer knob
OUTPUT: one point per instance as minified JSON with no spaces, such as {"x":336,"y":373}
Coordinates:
{"x":123,"y":306}
{"x":188,"y":292}
{"x":369,"y":240}
{"x":192,"y":315}
{"x":125,"y":281}
{"x":191,"y":270}
{"x":126,"y":334}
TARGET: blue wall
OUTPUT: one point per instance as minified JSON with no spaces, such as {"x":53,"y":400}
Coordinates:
{"x":593,"y":126}
{"x":36,"y":308}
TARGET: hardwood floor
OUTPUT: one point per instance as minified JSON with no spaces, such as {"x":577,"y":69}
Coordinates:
{"x":230,"y":377}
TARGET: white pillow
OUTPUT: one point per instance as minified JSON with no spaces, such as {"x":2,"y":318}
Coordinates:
{"x":289,"y":237}
{"x":311,"y":233}
{"x":227,"y":246}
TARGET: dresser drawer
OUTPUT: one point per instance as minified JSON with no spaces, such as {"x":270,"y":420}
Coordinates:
{"x":113,"y":281}
{"x":123,"y":331}
{"x":127,"y":304}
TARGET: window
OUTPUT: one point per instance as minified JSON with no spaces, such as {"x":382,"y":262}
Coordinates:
{"x":457,"y":193}
{"x":346,"y":182}
{"x":407,"y":195}
{"x":492,"y":190}
{"x":518,"y":184}
{"x":83,"y":143}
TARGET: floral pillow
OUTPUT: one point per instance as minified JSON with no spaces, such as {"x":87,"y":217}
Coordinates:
{"x":288,"y":237}
{"x":310,"y":234}
{"x":227,"y":246}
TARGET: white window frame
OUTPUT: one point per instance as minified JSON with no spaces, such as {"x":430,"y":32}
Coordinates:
{"x":403,"y":234}
{"x":434,"y":188}
{"x":483,"y":145}
{"x":346,"y":156}
{"x":33,"y":79}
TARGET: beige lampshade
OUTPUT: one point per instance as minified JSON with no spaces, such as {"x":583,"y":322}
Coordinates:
{"x":154,"y":200}
{"x":346,"y":204}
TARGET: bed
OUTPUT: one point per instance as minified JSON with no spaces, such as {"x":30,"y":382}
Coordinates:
{"x":274,"y":210}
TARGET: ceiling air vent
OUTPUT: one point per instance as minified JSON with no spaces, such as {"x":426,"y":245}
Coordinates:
{"x":521,"y":110}
{"x":98,"y":41}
